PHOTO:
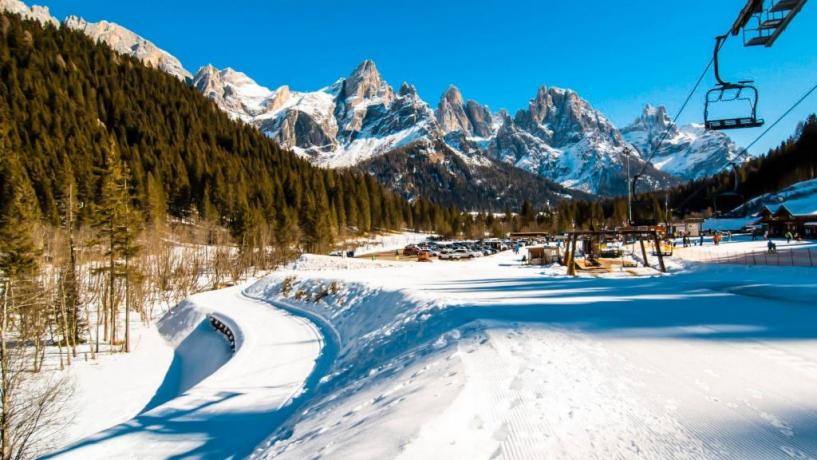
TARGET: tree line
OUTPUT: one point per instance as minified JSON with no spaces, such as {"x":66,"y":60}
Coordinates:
{"x":794,"y":160}
{"x":64,"y":100}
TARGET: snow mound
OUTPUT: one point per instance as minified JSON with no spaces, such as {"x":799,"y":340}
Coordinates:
{"x":215,"y":403}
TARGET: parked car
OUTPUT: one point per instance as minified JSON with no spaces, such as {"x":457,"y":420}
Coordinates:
{"x":336,"y":253}
{"x":411,"y":250}
{"x":456,"y":254}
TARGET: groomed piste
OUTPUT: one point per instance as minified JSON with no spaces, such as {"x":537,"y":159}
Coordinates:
{"x":502,"y":360}
{"x":213,"y":402}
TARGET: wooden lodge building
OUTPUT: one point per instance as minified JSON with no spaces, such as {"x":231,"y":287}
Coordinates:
{"x":797,"y":217}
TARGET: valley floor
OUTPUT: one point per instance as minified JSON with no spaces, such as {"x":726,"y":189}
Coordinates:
{"x":489,"y":359}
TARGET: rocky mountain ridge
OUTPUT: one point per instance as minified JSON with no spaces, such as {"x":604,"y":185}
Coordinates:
{"x":119,"y":38}
{"x":559,"y":136}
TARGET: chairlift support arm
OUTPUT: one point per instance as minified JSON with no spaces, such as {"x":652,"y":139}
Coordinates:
{"x":718,"y":44}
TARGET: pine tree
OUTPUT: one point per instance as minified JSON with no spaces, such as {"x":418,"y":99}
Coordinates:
{"x":117,"y":225}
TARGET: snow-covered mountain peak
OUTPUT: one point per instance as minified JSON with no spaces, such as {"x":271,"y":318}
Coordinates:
{"x":407,"y":89}
{"x":451,"y":114}
{"x":688,"y":151}
{"x":561,"y":117}
{"x":238,"y":94}
{"x":363,"y":89}
{"x":471,"y":118}
{"x":654,"y":120}
{"x":37,"y":13}
{"x":365,"y":83}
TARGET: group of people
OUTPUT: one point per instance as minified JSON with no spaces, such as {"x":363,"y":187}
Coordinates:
{"x":716,"y":238}
{"x":687,"y":242}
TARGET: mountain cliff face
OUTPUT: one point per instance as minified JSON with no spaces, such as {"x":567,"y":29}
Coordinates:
{"x":37,"y":13}
{"x":688,"y":151}
{"x":117,"y":37}
{"x":126,"y":42}
{"x":559,"y":137}
{"x":434,"y":170}
{"x":343,"y":124}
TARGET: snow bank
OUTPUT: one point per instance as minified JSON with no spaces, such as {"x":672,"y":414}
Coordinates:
{"x":214,"y":403}
{"x":116,"y":387}
{"x":391,"y":346}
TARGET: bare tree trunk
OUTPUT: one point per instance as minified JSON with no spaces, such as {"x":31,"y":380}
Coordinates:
{"x":127,"y":305}
{"x":98,"y":318}
{"x":5,"y":381}
{"x":72,"y":267}
{"x":65,"y":331}
{"x":112,"y":305}
{"x":51,"y":333}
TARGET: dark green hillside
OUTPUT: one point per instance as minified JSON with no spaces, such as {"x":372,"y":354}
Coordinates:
{"x":65,"y":101}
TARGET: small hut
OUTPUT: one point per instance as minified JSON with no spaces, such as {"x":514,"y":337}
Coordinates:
{"x":543,"y":255}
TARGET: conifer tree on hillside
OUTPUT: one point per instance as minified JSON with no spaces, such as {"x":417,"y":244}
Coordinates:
{"x":117,"y":224}
{"x":64,"y":96}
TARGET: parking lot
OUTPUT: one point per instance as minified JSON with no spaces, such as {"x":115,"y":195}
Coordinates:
{"x":444,"y":250}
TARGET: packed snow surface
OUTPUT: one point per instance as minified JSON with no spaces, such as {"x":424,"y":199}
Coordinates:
{"x":488,"y":358}
{"x":491,"y":359}
{"x":213,"y":403}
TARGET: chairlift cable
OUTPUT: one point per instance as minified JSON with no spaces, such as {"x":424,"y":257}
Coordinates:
{"x":677,"y":115}
{"x":745,"y":150}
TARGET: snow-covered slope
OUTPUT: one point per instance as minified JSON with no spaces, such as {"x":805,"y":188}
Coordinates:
{"x":214,"y":403}
{"x":702,"y":364}
{"x":356,"y":118}
{"x":687,"y":151}
{"x":799,"y":198}
{"x":117,"y":37}
{"x":360,"y":117}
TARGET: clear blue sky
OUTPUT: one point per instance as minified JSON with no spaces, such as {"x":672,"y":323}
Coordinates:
{"x":617,"y":54}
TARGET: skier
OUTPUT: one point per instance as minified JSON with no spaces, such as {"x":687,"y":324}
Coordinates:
{"x":788,"y":237}
{"x":701,"y":240}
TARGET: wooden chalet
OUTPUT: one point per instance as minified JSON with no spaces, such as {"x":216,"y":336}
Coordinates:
{"x":797,"y":217}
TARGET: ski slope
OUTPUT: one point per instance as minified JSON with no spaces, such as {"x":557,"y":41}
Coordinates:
{"x":214,"y":403}
{"x":486,"y":359}
{"x":491,"y":359}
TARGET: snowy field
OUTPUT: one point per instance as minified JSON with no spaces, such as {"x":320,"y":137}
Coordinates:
{"x":486,"y":359}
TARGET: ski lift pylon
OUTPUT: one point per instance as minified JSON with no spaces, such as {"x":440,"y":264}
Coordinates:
{"x":728,"y":92}
{"x":737,"y":199}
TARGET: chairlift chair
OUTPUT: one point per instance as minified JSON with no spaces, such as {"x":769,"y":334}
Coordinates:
{"x":726,"y":93}
{"x":763,"y":21}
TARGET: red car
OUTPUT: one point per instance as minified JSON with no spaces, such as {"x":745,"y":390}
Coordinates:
{"x":411,"y":251}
